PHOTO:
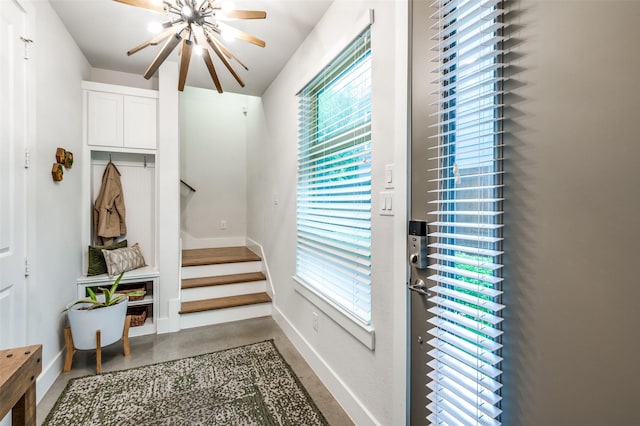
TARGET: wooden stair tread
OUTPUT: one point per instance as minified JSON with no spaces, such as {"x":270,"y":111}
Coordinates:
{"x":224,"y":302}
{"x":222,"y":280}
{"x":214,"y":256}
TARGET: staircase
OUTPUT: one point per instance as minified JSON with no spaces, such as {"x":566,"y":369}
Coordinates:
{"x":221,"y":285}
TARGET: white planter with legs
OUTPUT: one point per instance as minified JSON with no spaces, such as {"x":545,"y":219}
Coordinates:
{"x":85,"y":322}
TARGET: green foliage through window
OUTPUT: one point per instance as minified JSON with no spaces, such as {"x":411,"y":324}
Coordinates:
{"x":333,"y":256}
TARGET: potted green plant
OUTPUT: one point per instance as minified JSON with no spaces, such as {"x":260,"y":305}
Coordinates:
{"x":105,"y":311}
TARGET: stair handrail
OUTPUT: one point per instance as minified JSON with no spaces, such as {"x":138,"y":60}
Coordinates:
{"x":191,"y":188}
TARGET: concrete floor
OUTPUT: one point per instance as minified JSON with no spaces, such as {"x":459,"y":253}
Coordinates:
{"x":164,"y":347}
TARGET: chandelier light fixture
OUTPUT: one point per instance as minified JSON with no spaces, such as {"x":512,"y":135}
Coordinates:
{"x":195,"y":25}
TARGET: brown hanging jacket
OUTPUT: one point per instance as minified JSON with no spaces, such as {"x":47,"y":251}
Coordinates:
{"x":109,"y":211}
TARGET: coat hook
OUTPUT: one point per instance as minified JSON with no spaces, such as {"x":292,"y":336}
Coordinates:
{"x":145,"y":161}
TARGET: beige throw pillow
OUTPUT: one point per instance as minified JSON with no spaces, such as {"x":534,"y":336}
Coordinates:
{"x":123,"y":259}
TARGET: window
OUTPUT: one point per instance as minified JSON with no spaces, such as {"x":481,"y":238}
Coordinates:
{"x":466,"y":234}
{"x":333,"y":256}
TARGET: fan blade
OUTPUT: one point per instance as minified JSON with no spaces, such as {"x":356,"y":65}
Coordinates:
{"x":228,"y":54}
{"x":164,"y":53}
{"x":158,"y":39}
{"x":145,"y":4}
{"x":241,"y":35}
{"x":200,"y":36}
{"x":214,"y":75}
{"x":242,"y":14}
{"x":225,"y":61}
{"x":184,"y":63}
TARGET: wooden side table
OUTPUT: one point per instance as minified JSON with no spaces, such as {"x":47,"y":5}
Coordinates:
{"x":19,"y":368}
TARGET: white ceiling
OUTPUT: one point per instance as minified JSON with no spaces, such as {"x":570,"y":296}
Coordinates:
{"x":105,"y":30}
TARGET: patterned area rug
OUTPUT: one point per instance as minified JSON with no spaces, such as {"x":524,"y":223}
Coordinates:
{"x":248,"y":385}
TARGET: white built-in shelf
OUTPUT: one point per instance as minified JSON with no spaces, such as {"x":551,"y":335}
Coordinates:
{"x":135,"y":275}
{"x":148,"y":300}
{"x":147,"y":328}
{"x":148,"y":276}
{"x":120,"y":126}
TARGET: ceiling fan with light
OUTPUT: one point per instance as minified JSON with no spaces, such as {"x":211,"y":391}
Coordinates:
{"x":196,"y":25}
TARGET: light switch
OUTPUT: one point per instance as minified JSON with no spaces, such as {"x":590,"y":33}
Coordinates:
{"x":386,"y":204}
{"x":388,"y":176}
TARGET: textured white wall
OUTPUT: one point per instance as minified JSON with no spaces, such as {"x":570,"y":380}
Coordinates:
{"x":53,"y":235}
{"x":365,"y":382}
{"x":213,"y":159}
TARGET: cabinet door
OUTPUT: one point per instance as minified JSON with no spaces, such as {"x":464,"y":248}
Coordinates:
{"x":139,"y":122}
{"x":104,"y":119}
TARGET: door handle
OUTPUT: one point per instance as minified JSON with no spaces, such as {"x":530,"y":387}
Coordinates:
{"x":419,"y":287}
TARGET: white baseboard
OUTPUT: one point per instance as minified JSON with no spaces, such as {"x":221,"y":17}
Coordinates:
{"x":170,"y":324}
{"x":340,"y":391}
{"x":49,"y":375}
{"x":190,"y":242}
{"x":163,"y":325}
{"x":257,"y":248}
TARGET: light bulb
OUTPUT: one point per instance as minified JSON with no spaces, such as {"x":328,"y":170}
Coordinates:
{"x":197,"y":50}
{"x":227,"y":35}
{"x":187,"y":11}
{"x":154,"y":27}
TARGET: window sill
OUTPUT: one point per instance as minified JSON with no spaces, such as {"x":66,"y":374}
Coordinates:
{"x":365,"y":334}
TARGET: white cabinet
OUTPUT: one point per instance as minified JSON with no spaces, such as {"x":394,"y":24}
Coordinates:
{"x":140,"y":122}
{"x":120,"y":117}
{"x":105,"y":114}
{"x":120,"y":126}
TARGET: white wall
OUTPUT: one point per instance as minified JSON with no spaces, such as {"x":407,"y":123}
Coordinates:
{"x":168,"y":163}
{"x":120,"y":78}
{"x":365,"y":382}
{"x":259,"y":192}
{"x":53,"y":235}
{"x":213,"y":159}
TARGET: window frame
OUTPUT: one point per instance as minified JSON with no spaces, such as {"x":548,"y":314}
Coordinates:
{"x":358,"y":327}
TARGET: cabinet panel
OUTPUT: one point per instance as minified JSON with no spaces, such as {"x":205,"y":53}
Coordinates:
{"x":105,"y":114}
{"x":139,"y":122}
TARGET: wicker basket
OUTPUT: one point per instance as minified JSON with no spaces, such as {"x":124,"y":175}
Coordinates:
{"x":138,"y":316}
{"x":131,"y":290}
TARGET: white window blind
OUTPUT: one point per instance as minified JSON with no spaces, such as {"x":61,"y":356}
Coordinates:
{"x":466,"y":232}
{"x":333,"y":256}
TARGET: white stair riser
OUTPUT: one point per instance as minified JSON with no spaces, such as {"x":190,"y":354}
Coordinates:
{"x":220,"y":269}
{"x":219,"y":316}
{"x":211,"y":292}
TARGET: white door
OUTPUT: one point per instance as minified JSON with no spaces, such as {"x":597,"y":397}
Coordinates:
{"x":12,"y":175}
